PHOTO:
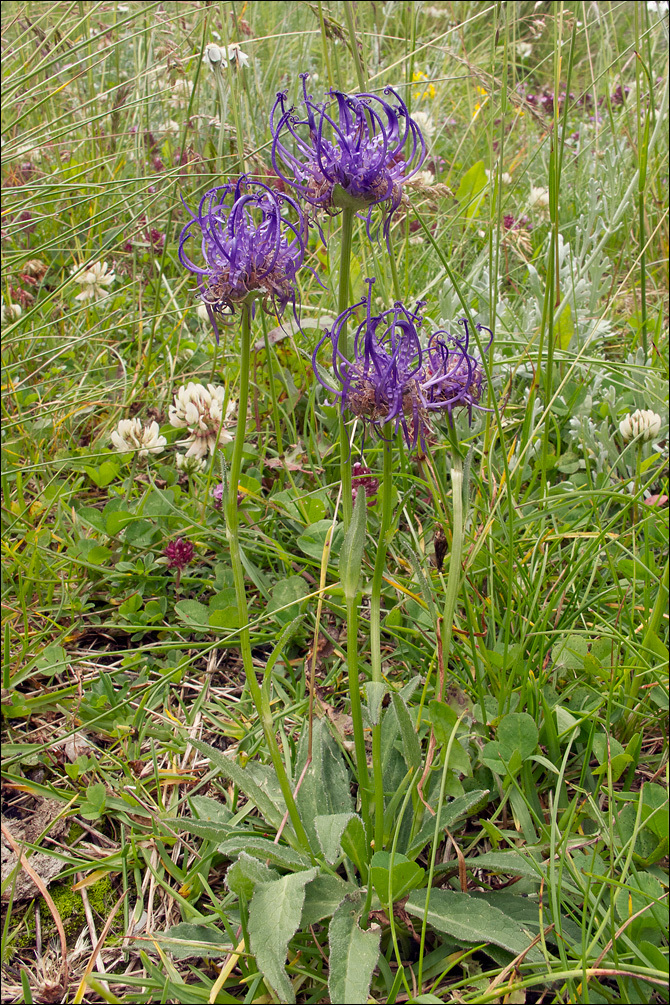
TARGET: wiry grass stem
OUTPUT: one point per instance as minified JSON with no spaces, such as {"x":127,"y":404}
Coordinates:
{"x":233,"y":537}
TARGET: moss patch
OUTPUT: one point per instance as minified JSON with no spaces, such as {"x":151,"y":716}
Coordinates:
{"x":70,"y":906}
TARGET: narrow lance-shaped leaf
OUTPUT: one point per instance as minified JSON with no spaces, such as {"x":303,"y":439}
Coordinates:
{"x":353,"y":953}
{"x":274,"y":916}
{"x":351,"y":554}
{"x":469,"y":920}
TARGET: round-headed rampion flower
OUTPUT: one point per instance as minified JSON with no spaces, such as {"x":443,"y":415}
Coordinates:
{"x":393,"y":378}
{"x":250,"y":244}
{"x":200,"y":410}
{"x":355,"y":151}
{"x":644,"y":423}
{"x":179,"y":553}
{"x":130,"y":434}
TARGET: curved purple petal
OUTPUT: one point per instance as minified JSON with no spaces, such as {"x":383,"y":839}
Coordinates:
{"x":252,"y":243}
{"x":356,"y":142}
{"x":392,"y":377}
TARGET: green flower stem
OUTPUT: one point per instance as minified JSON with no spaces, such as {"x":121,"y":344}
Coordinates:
{"x":658,"y":610}
{"x":234,"y":85}
{"x":223,"y":109}
{"x":436,"y":842}
{"x":273,"y":391}
{"x":454,"y":575}
{"x":395,"y":277}
{"x":131,"y":477}
{"x":353,"y":41}
{"x":375,"y":626}
{"x":324,"y":47}
{"x":233,"y":536}
{"x":356,"y":710}
{"x":342,"y":304}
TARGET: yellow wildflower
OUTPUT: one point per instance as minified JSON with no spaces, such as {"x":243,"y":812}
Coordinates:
{"x":419,"y":93}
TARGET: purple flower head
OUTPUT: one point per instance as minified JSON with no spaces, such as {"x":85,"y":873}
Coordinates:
{"x":217,"y":495}
{"x":250,"y":244}
{"x":355,"y":151}
{"x":362,"y":478}
{"x":516,"y":223}
{"x":392,"y":377}
{"x":179,"y":553}
{"x":620,"y":95}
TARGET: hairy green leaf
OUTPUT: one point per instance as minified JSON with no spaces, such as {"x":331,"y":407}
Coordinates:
{"x":274,"y":916}
{"x":186,"y":940}
{"x":244,"y":874}
{"x":471,"y":921}
{"x":329,"y":828}
{"x":258,"y":782}
{"x":410,"y":741}
{"x":325,"y":787}
{"x":265,"y":850}
{"x":323,"y":895}
{"x":353,"y":953}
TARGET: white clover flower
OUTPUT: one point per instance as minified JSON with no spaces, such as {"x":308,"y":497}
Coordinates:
{"x":539,"y":198}
{"x":425,"y":124}
{"x":217,"y":55}
{"x":237,"y":56}
{"x":189,"y":465}
{"x":200,"y":410}
{"x":35,"y":267}
{"x":30,"y":150}
{"x":12,"y":312}
{"x":181,"y":93}
{"x":505,"y":177}
{"x":659,"y":7}
{"x":214,"y":56}
{"x":422,"y":179}
{"x":94,"y":281}
{"x":130,"y":434}
{"x":644,"y":423}
{"x":169,"y":127}
{"x":538,"y":201}
{"x":524,"y":50}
